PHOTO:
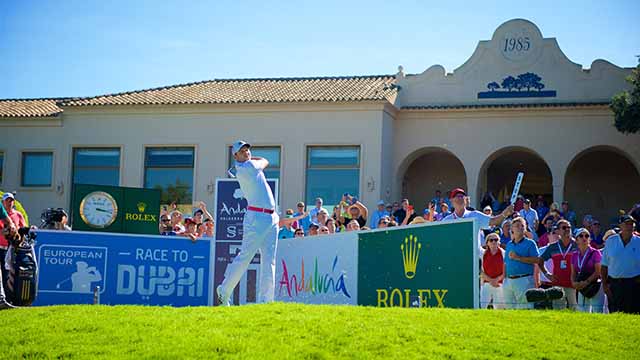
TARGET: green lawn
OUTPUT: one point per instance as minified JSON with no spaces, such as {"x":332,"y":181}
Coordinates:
{"x":307,"y":331}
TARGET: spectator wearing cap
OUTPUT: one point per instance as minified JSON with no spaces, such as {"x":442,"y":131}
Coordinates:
{"x":585,"y":274}
{"x":531,"y":215}
{"x":305,"y":221}
{"x":323,"y":216}
{"x":621,"y":268}
{"x":357,"y":212}
{"x":458,"y":196}
{"x":568,"y":214}
{"x":521,"y":256}
{"x":313,"y":213}
{"x":313,"y":229}
{"x":492,"y":273}
{"x":487,"y":210}
{"x":597,"y":236}
{"x":418,"y":220}
{"x":444,"y":212}
{"x":378,"y":214}
{"x":561,"y":253}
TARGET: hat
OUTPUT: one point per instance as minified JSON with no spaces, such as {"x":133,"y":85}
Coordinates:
{"x":580,"y":231}
{"x":381,"y":202}
{"x":300,"y":203}
{"x":188,"y":220}
{"x":623,"y":218}
{"x":527,"y":201}
{"x":457,"y":191}
{"x":595,"y":222}
{"x":198,"y":211}
{"x":418,"y":220}
{"x":239,"y":145}
{"x":488,"y":207}
{"x":323,"y":211}
{"x":8,"y":195}
{"x":388,"y":206}
{"x":313,"y":224}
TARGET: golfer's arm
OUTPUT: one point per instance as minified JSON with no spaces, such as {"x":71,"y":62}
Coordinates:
{"x":529,"y":260}
{"x":496,"y":220}
{"x":261,"y":162}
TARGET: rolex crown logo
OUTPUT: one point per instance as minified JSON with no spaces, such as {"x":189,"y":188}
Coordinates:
{"x":141,"y":206}
{"x":410,"y":253}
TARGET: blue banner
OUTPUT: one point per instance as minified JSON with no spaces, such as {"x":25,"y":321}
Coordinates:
{"x":230,"y":208}
{"x":129,"y":269}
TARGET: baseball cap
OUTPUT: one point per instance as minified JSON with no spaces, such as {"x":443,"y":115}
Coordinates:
{"x":488,"y":207}
{"x":623,"y":218}
{"x":188,"y":220}
{"x":580,"y":231}
{"x":381,"y":202}
{"x":8,"y":195}
{"x":238,"y":145}
{"x":197,"y":211}
{"x":457,"y":191}
{"x":315,"y":225}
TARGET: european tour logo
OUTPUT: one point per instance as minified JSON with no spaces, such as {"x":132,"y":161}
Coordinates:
{"x":395,"y":297}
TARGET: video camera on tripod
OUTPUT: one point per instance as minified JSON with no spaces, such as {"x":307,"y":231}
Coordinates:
{"x":50,"y":217}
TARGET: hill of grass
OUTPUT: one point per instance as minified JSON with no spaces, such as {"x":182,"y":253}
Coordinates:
{"x":305,"y":331}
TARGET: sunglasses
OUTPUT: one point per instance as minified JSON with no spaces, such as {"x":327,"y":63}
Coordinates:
{"x":165,"y":220}
{"x":565,"y":228}
{"x":492,"y":240}
{"x":324,"y":231}
{"x":586,"y":236}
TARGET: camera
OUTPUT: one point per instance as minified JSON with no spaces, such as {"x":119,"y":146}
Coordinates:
{"x":51,"y":216}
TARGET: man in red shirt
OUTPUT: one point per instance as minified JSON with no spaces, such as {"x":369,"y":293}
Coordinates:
{"x":492,"y":273}
{"x":561,"y":254}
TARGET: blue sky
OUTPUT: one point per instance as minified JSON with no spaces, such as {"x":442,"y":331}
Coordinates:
{"x":83,"y":48}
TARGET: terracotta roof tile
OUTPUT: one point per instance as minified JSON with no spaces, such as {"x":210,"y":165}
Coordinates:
{"x":238,"y":91}
{"x":29,"y":108}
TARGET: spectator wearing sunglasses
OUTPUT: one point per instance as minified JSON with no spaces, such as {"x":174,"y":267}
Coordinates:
{"x":492,"y":273}
{"x":299,"y":233}
{"x":305,"y":221}
{"x":165,"y":227}
{"x":585,"y":274}
{"x":561,"y":253}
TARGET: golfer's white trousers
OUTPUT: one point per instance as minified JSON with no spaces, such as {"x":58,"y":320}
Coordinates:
{"x":260,"y":234}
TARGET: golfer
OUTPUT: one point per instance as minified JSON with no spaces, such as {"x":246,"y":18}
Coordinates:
{"x":260,"y":227}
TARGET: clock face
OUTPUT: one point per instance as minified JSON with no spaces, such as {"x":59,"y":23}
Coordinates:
{"x":98,"y":209}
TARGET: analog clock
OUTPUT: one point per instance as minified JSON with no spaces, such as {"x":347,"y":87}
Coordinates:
{"x":98,"y":209}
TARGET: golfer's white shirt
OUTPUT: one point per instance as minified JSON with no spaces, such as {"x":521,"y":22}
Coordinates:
{"x":254,"y":185}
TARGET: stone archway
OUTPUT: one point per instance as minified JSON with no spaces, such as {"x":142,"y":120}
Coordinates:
{"x":428,"y":170}
{"x":498,"y":174}
{"x":600,"y":181}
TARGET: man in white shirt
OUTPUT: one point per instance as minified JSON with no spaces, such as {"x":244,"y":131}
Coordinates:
{"x":314,"y":212}
{"x":620,"y":268}
{"x":484,"y":221}
{"x":260,"y":227}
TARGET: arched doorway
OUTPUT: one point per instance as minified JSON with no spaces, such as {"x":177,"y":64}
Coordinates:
{"x":499,"y":171}
{"x":600,"y":181}
{"x":428,"y":170}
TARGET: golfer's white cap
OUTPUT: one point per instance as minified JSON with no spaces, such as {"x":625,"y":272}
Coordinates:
{"x":238,"y":145}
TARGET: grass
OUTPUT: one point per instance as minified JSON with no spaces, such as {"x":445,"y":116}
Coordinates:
{"x":313,"y":332}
